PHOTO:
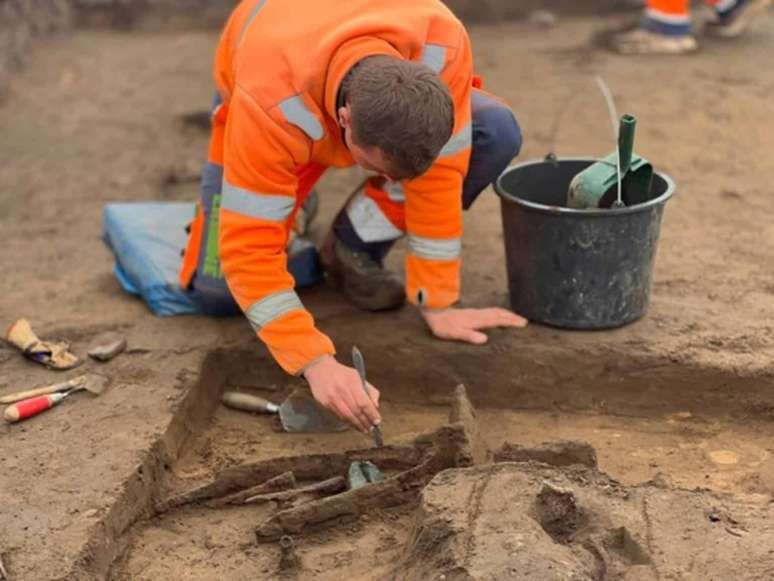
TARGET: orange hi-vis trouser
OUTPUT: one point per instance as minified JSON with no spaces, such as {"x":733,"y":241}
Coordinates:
{"x":673,"y":16}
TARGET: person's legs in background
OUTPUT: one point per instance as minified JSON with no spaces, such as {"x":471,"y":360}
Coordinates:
{"x":372,"y":220}
{"x":666,"y":26}
{"x":731,"y":18}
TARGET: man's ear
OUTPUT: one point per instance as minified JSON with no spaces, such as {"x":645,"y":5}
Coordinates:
{"x":345,"y":118}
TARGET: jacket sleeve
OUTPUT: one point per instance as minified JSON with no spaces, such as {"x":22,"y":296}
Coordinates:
{"x":257,"y":203}
{"x":433,"y":201}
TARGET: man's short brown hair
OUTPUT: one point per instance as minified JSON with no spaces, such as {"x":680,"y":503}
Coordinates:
{"x":401,"y":107}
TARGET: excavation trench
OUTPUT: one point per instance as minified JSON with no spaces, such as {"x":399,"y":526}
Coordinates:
{"x":631,"y":393}
{"x":648,"y":423}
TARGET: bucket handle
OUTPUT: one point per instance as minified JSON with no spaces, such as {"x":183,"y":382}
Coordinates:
{"x":606,"y":93}
{"x":616,"y":135}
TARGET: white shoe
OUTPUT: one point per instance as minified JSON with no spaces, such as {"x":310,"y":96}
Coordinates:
{"x":738,"y":21}
{"x":642,"y":41}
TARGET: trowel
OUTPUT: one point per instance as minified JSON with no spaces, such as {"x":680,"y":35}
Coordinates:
{"x":299,"y":413}
{"x":597,"y":185}
{"x":27,"y":404}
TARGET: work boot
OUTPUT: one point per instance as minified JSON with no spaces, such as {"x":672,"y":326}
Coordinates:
{"x":735,"y":21}
{"x":642,"y":41}
{"x":364,"y":281}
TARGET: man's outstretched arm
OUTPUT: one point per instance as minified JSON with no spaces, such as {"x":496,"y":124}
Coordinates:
{"x":259,"y":195}
{"x":434,"y":217}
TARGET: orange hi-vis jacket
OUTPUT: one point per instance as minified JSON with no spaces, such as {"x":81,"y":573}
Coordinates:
{"x":278,"y":69}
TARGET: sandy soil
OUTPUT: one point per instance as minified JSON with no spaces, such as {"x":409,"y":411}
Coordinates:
{"x":96,"y":118}
{"x":482,"y":523}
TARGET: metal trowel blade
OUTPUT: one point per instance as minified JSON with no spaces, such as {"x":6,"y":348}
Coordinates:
{"x":300,"y":413}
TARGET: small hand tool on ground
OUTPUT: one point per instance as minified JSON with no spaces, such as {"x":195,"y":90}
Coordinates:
{"x":357,"y":359}
{"x":53,"y":388}
{"x":54,"y":355}
{"x":299,"y":413}
{"x":27,"y":408}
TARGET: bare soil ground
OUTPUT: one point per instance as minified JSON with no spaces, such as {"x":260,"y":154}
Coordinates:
{"x":684,"y":396}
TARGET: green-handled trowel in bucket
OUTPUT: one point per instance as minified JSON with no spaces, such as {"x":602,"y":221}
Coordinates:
{"x":597,"y":186}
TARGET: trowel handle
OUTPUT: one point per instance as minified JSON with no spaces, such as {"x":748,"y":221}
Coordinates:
{"x":248,"y":403}
{"x":65,"y":385}
{"x":626,"y":141}
{"x":32,"y":407}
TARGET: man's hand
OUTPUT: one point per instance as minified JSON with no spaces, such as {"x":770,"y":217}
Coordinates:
{"x":466,"y":324}
{"x":338,"y":388}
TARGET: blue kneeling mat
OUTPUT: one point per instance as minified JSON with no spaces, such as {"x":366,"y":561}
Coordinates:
{"x":148,"y":238}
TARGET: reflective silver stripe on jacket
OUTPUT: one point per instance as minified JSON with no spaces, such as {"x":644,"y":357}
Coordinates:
{"x":395,"y":191}
{"x":432,"y":249}
{"x":434,"y":56}
{"x":256,"y":9}
{"x":255,"y":205}
{"x":459,"y":142}
{"x":272,"y":307}
{"x":297,"y":113}
{"x":369,"y":222}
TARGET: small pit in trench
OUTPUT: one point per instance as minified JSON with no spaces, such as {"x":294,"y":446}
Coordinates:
{"x":615,"y":532}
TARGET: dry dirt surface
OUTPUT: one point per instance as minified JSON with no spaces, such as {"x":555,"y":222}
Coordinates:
{"x":515,"y":521}
{"x":538,"y":513}
{"x":683,"y":398}
{"x":21,"y":21}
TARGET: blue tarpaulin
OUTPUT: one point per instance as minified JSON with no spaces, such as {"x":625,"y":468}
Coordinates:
{"x":148,"y":238}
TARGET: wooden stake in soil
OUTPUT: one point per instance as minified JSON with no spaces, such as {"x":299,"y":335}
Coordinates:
{"x":558,"y":453}
{"x":313,"y":491}
{"x":463,"y":412}
{"x":289,"y":560}
{"x":447,"y":445}
{"x":284,"y":481}
{"x":309,"y":467}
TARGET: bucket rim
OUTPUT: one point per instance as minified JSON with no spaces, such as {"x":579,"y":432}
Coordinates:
{"x":573,"y":211}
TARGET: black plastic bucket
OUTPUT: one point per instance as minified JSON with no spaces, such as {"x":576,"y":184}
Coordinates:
{"x":578,"y":269}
